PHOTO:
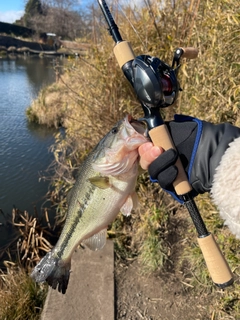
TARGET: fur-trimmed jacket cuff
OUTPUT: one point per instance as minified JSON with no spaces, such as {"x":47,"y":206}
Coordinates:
{"x":225,"y":190}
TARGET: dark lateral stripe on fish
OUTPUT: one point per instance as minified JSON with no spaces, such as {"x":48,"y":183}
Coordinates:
{"x":82,"y":208}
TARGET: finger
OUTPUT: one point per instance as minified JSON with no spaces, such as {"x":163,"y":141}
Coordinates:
{"x":149,"y":155}
{"x":144,"y":148}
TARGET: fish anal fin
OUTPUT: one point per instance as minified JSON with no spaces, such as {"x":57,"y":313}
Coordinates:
{"x":130,"y":204}
{"x":100,"y":182}
{"x":97,"y":241}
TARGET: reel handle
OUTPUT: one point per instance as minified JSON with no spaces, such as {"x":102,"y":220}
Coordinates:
{"x":189,"y":53}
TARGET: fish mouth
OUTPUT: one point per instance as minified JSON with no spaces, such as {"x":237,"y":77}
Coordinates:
{"x":122,"y":157}
{"x":135,"y":133}
{"x":138,"y":126}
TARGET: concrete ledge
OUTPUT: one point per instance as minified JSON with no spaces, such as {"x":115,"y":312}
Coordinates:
{"x":90,"y":293}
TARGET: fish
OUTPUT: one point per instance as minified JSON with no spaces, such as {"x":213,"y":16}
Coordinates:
{"x":105,"y":185}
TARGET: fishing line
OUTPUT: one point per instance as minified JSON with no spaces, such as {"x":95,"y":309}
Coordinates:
{"x":130,"y":23}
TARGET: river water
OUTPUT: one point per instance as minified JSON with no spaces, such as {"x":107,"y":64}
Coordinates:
{"x":24,"y":147}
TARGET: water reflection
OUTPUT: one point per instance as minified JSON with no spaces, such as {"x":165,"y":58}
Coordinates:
{"x":39,"y":72}
{"x":40,"y":132}
{"x":24,"y":147}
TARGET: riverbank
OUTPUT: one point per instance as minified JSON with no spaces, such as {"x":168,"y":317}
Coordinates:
{"x":11,"y":45}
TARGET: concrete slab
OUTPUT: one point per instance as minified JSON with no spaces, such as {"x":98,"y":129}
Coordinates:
{"x":90,"y":293}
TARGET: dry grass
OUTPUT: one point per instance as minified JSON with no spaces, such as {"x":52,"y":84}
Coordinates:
{"x":32,"y":241}
{"x":21,"y":298}
{"x":33,"y":234}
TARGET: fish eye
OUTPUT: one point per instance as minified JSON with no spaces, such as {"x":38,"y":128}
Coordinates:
{"x":114,"y":130}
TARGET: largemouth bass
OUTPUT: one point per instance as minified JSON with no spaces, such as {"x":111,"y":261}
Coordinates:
{"x":105,"y":186}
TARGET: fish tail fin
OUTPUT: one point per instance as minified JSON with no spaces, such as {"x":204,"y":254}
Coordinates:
{"x":54,"y":271}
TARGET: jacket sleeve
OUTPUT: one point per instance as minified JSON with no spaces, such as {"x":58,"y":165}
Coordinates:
{"x":225,"y":191}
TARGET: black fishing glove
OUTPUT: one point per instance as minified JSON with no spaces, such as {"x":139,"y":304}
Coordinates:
{"x":200,"y":146}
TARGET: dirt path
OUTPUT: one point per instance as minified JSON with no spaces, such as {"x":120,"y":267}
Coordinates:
{"x":157,"y":296}
{"x":166,"y":294}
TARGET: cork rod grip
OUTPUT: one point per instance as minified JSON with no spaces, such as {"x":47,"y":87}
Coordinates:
{"x":161,"y":138}
{"x":123,"y":52}
{"x":215,"y":261}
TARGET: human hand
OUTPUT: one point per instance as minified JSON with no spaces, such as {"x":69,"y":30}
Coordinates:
{"x":199,"y":145}
{"x":159,"y":163}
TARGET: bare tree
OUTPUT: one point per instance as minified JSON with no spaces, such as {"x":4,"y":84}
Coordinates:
{"x":59,"y":17}
{"x":62,"y":4}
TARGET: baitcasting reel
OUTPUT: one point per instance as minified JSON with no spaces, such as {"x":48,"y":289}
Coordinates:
{"x":155,"y":82}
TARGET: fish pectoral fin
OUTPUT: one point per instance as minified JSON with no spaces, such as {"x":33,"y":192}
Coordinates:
{"x":97,"y":241}
{"x":130,"y":204}
{"x":100,"y":182}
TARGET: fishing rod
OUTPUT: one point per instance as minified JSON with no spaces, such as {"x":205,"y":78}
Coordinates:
{"x":156,"y":86}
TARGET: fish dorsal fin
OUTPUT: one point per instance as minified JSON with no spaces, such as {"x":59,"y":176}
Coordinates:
{"x":97,"y":241}
{"x":130,"y":204}
{"x":100,"y":182}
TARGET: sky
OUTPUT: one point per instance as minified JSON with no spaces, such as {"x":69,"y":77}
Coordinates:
{"x":11,"y":10}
